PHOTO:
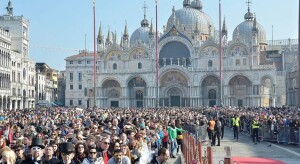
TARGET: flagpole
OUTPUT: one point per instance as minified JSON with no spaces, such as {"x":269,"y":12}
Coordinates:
{"x":220,"y":53}
{"x":94,"y":37}
{"x":299,"y":56}
{"x":156,"y":54}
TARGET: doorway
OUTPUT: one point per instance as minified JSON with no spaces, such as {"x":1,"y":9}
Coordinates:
{"x":175,"y":101}
{"x":114,"y":104}
{"x":240,"y":103}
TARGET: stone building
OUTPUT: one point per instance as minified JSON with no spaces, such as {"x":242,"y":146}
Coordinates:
{"x":189,"y":65}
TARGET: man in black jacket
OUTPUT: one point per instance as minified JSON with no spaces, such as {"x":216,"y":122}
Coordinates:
{"x":162,"y":156}
{"x":49,"y":159}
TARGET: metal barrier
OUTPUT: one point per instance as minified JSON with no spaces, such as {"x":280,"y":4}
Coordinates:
{"x":272,"y":133}
{"x":199,"y":132}
{"x":192,"y":150}
{"x":192,"y":145}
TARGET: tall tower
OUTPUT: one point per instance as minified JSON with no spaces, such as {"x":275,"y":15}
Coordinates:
{"x":18,"y":28}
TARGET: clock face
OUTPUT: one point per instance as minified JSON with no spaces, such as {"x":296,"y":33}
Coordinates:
{"x":114,"y":55}
{"x":237,"y":51}
{"x":209,"y":51}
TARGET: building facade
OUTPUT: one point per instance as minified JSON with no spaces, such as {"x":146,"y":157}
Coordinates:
{"x":61,"y":88}
{"x":189,"y":66}
{"x":50,"y":84}
{"x":22,"y":69}
{"x":5,"y":67}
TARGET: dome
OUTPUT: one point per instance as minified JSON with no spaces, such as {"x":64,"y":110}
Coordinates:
{"x":244,"y":30}
{"x":188,"y":17}
{"x":197,"y":4}
{"x":140,"y":35}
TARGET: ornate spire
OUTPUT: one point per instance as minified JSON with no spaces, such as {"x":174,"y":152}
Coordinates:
{"x":254,"y":28}
{"x":151,"y":32}
{"x":108,"y":38}
{"x":224,"y":28}
{"x":9,"y":9}
{"x":121,"y":41}
{"x":125,"y":35}
{"x":144,"y":22}
{"x":100,"y":35}
{"x":174,"y":22}
{"x":248,"y":15}
{"x":115,"y":38}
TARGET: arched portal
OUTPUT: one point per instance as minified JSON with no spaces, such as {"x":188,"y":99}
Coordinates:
{"x":174,"y":95}
{"x":174,"y":89}
{"x":136,"y":90}
{"x":240,"y":91}
{"x":112,"y":92}
{"x":210,"y":88}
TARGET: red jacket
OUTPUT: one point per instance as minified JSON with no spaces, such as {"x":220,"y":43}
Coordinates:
{"x":166,"y":137}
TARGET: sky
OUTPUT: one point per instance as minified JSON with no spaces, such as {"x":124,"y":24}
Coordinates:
{"x":60,"y":28}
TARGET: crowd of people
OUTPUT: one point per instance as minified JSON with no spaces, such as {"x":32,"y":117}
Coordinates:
{"x":250,"y":119}
{"x":122,"y":136}
{"x":67,"y":135}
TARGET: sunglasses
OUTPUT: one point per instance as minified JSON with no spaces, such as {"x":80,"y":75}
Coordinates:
{"x":18,"y":150}
{"x":92,"y":152}
{"x":107,"y":143}
{"x":36,"y":148}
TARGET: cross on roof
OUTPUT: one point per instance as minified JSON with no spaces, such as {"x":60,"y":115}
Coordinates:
{"x":249,"y":2}
{"x":145,"y":8}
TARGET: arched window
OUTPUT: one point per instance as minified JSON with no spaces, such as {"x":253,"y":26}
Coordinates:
{"x":139,"y":65}
{"x":114,"y":66}
{"x":210,"y":63}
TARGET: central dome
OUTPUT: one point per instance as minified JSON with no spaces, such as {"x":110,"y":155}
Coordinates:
{"x":190,"y":18}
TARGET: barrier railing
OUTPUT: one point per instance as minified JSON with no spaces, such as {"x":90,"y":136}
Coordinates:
{"x":199,"y":132}
{"x":194,"y":153}
{"x":273,"y":133}
{"x":192,"y":150}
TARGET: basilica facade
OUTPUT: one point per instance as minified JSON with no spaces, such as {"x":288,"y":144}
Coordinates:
{"x":188,"y":62}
